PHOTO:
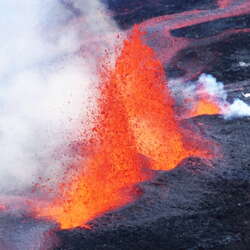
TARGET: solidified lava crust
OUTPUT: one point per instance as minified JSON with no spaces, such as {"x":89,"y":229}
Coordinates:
{"x":129,"y":12}
{"x":195,"y":206}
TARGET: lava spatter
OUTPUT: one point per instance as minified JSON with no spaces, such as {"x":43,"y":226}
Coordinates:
{"x":136,"y":117}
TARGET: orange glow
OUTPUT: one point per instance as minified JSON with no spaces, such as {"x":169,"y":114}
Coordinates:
{"x":2,"y":207}
{"x":205,"y":106}
{"x":149,"y":106}
{"x":135,"y":118}
{"x":113,"y":167}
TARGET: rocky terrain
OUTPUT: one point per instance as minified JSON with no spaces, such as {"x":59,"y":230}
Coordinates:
{"x":198,"y":205}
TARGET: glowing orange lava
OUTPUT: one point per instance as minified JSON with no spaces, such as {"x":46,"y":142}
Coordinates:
{"x":2,"y":207}
{"x":135,"y":118}
{"x":149,"y":106}
{"x":205,"y":106}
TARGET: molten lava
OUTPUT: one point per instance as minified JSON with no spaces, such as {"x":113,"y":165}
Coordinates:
{"x":113,"y":166}
{"x":149,"y":106}
{"x":205,"y":106}
{"x":135,"y":118}
{"x":2,"y":207}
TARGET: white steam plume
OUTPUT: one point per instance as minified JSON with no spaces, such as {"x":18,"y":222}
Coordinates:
{"x":216,"y":91}
{"x":237,"y":109}
{"x":207,"y":86}
{"x":48,"y":77}
{"x":48,"y":56}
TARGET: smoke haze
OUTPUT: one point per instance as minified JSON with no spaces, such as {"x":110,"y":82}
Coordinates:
{"x":47,"y":79}
{"x":213,"y":90}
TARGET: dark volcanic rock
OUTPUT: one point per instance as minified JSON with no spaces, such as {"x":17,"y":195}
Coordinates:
{"x":212,"y":28}
{"x":19,"y":231}
{"x":227,"y":59}
{"x":200,"y":204}
{"x":233,"y":59}
{"x":195,"y":206}
{"x":129,"y":12}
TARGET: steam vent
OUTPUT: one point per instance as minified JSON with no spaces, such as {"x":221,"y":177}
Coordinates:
{"x":125,"y":125}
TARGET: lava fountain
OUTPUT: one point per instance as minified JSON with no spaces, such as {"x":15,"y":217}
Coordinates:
{"x":136,"y":120}
{"x":205,"y":106}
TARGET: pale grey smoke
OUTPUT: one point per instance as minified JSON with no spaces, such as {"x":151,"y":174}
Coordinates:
{"x":210,"y":86}
{"x":237,"y":109}
{"x":207,"y":86}
{"x":218,"y":94}
{"x":48,"y":56}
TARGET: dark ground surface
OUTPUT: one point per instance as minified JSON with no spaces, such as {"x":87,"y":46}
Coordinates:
{"x":197,"y":205}
{"x":228,"y":59}
{"x":221,"y":57}
{"x":129,"y":12}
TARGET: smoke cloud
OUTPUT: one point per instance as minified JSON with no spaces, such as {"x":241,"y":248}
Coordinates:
{"x":209,"y":88}
{"x":215,"y":90}
{"x":49,"y":50}
{"x":48,"y":86}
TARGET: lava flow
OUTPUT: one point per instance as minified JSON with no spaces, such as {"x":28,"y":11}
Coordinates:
{"x":136,"y":120}
{"x":205,"y":106}
{"x":2,"y":207}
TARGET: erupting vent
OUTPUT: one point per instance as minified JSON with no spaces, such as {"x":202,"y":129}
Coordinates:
{"x":136,"y":117}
